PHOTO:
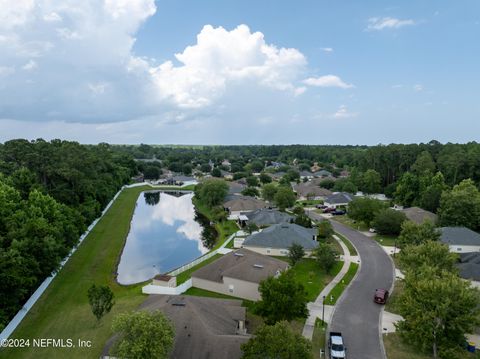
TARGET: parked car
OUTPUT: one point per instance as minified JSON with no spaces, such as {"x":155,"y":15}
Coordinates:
{"x":321,"y":206}
{"x":381,"y":296}
{"x":328,"y":210}
{"x":336,"y":346}
{"x":338,"y":212}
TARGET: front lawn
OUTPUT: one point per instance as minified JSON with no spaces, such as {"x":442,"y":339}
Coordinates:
{"x":351,"y":248}
{"x":392,"y":302}
{"x":337,"y":291}
{"x":313,"y":278}
{"x":385,"y":240}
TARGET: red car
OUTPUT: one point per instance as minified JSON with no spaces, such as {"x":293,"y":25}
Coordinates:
{"x":381,"y":296}
{"x":328,"y":210}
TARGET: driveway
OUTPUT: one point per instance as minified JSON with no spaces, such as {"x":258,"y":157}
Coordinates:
{"x":356,"y":315}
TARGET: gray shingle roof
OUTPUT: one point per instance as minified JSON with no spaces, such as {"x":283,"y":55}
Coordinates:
{"x":283,"y":236}
{"x":266,"y":217}
{"x":469,"y":266}
{"x":459,"y":236}
{"x":339,"y":197}
{"x":203,"y":326}
{"x":419,"y":215}
{"x":322,"y":173}
{"x":240,"y":265}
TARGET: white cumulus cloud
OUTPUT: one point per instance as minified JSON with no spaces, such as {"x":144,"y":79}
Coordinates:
{"x":381,"y":23}
{"x":327,"y":81}
{"x":221,"y":58}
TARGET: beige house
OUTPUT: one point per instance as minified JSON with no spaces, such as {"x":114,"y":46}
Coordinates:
{"x":238,"y":274}
{"x":311,"y":191}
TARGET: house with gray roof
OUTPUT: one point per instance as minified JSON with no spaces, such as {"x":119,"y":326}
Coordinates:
{"x":338,"y":199}
{"x":235,"y":204}
{"x":460,"y":239}
{"x":235,"y":187}
{"x":204,"y":327}
{"x":265,"y":217}
{"x":238,"y":273}
{"x":469,"y":266}
{"x":311,"y":191}
{"x":419,"y":215}
{"x":278,"y":238}
{"x":306,"y":174}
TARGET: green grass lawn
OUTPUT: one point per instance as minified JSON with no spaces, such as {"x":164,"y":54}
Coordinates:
{"x":392,"y":302}
{"x":346,"y":220}
{"x":351,"y":248}
{"x":63,"y":310}
{"x":184,"y":276}
{"x":318,"y":339}
{"x":385,"y":240}
{"x":313,"y":278}
{"x":312,"y":202}
{"x":340,"y":287}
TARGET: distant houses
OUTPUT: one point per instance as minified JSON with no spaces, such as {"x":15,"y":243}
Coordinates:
{"x":178,"y":180}
{"x":238,"y":273}
{"x":278,"y":238}
{"x":460,"y":239}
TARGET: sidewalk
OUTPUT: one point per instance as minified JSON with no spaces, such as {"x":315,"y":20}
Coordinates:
{"x":315,"y":308}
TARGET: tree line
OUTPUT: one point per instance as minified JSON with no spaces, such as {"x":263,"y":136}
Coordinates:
{"x":49,"y":193}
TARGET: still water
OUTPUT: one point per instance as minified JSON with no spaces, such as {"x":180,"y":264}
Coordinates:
{"x":165,"y":233}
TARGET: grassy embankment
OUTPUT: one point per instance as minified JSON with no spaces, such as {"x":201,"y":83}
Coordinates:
{"x":337,"y":291}
{"x":63,"y":310}
{"x":351,"y":248}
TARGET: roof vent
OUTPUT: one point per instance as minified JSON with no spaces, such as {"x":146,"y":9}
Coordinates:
{"x":238,"y":254}
{"x":258,"y":266}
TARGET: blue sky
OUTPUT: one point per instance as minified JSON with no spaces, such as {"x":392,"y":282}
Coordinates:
{"x":249,"y":72}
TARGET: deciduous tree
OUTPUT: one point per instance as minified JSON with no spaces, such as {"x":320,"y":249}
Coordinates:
{"x":143,"y":335}
{"x":277,"y":342}
{"x":100,"y":299}
{"x":295,"y":253}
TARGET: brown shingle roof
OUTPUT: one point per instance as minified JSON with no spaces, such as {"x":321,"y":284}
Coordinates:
{"x":419,"y":215}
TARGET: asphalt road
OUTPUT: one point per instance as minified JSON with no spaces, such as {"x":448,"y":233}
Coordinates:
{"x":356,"y":315}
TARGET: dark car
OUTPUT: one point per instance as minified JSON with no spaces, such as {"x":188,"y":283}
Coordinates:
{"x":338,"y":212}
{"x":321,"y":206}
{"x":328,"y":210}
{"x":381,"y":296}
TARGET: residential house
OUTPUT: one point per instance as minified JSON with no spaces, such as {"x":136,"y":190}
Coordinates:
{"x":277,"y":176}
{"x":311,"y":191}
{"x":278,"y":238}
{"x":338,"y":199}
{"x":265,"y":217}
{"x":469,"y":266}
{"x":238,"y":273}
{"x":204,"y":327}
{"x":419,"y":215}
{"x":460,"y":239}
{"x":322,"y":174}
{"x":236,"y":204}
{"x":227,"y":175}
{"x":235,"y":187}
{"x":179,"y":180}
{"x":306,"y":175}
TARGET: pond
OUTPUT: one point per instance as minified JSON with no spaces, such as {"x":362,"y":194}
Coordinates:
{"x":165,"y":233}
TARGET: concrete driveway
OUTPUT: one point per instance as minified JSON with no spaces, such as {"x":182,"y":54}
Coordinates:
{"x":356,"y":315}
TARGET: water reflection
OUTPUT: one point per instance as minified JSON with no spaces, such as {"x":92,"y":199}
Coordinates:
{"x":165,"y":233}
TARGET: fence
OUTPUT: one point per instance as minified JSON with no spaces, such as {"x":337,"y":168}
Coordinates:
{"x":158,"y":289}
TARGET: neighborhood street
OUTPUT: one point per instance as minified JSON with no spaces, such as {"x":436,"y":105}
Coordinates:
{"x":356,"y":315}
